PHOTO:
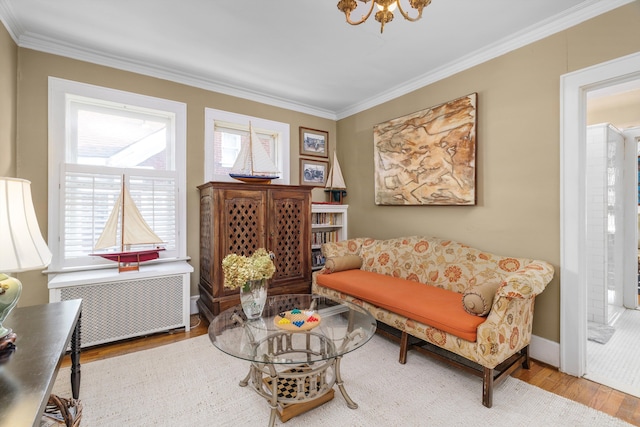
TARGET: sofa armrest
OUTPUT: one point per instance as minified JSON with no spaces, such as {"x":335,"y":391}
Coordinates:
{"x":508,"y":325}
{"x":527,"y":282}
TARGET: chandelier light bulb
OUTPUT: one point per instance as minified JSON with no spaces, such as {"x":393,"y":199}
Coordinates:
{"x":390,"y":7}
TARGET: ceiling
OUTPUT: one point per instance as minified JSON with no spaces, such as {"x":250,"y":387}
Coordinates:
{"x":297,"y":54}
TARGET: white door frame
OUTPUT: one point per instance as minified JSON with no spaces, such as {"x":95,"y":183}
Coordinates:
{"x":573,"y":264}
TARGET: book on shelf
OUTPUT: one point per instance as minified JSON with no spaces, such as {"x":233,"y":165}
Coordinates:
{"x":323,"y":218}
{"x":320,"y":237}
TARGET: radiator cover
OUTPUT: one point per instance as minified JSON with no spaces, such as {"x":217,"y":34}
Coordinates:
{"x":120,"y":309}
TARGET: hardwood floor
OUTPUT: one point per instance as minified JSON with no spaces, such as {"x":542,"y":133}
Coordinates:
{"x":602,"y":398}
{"x":198,"y":327}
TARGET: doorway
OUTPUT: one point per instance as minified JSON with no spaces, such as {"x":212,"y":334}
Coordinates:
{"x":573,"y":222}
{"x":613,"y":321}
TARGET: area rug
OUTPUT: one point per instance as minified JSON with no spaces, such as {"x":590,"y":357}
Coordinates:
{"x":191,"y":383}
{"x":599,"y":333}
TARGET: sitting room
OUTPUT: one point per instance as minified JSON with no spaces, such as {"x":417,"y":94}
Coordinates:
{"x":318,"y":213}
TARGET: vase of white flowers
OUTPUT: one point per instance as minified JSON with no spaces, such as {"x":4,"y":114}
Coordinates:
{"x":250,"y":274}
{"x":253,"y":296}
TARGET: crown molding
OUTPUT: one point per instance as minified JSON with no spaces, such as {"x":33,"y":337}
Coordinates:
{"x":56,"y":47}
{"x":7,"y":17}
{"x":560,"y":22}
{"x":546,"y":28}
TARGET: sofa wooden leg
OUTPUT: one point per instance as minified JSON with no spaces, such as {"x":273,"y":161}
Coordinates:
{"x":404,"y":347}
{"x":526,"y":363}
{"x":487,"y":387}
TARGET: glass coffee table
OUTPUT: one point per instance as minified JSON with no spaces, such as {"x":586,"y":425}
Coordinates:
{"x":295,"y":348}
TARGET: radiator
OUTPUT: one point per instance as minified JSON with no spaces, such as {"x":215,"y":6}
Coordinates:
{"x":128,"y":307}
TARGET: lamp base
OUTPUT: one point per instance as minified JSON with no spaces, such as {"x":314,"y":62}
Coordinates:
{"x":10,"y":290}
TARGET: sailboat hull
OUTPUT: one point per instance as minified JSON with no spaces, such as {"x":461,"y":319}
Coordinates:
{"x":130,"y":261}
{"x":135,"y":256}
{"x":255,"y":179}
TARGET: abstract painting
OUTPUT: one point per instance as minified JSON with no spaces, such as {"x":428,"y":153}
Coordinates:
{"x":428,"y":157}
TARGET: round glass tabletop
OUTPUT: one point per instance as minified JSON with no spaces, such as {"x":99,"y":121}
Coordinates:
{"x":293,"y":329}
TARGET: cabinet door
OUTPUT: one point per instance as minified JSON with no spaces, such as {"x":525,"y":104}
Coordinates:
{"x":241,"y":218}
{"x":289,"y":234}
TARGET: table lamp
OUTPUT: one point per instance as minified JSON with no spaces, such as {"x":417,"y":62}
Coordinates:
{"x":22,"y":247}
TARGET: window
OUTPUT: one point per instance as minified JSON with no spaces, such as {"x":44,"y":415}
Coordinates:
{"x":230,"y":144}
{"x":226,"y":132}
{"x":99,"y":140}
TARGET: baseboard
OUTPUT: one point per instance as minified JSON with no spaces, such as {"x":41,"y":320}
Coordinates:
{"x":193,"y":307}
{"x":545,"y":351}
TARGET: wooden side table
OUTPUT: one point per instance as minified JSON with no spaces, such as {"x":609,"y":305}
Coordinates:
{"x":44,"y":333}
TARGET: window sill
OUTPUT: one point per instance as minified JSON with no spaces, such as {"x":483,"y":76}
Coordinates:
{"x":83,"y":275}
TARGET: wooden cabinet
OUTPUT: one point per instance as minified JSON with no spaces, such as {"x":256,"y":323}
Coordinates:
{"x":240,"y":218}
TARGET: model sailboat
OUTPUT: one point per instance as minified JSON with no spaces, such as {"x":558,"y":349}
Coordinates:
{"x":253,"y":164}
{"x":134,"y":230}
{"x":335,"y":182}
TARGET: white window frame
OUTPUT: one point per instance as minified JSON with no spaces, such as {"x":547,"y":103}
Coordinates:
{"x":283,"y":144}
{"x":58,"y":91}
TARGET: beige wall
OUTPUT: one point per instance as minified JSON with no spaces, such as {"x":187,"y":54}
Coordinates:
{"x":518,"y":153}
{"x":34,"y":69}
{"x":518,"y":145}
{"x":621,"y":110}
{"x":8,"y":71}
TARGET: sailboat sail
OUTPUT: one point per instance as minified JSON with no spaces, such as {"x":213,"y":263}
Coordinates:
{"x":134,"y":230}
{"x":335,"y":182}
{"x":335,"y":179}
{"x":253,"y":162}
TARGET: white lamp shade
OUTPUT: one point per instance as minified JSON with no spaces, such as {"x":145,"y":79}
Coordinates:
{"x":22,"y":247}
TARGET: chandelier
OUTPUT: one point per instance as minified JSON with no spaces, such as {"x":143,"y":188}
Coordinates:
{"x":385,"y":10}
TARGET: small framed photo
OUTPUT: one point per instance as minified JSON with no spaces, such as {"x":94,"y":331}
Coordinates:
{"x":314,"y":142}
{"x":313,"y":172}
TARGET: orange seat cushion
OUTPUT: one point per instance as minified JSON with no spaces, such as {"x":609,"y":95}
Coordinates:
{"x":436,"y":307}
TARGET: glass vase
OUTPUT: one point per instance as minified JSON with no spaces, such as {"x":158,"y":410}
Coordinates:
{"x":253,"y":295}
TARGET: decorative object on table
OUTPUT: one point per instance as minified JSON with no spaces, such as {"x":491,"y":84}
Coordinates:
{"x":313,"y":172}
{"x":428,"y":157}
{"x":253,"y":295}
{"x":253,"y":163}
{"x":62,"y":412}
{"x":126,"y":222}
{"x":22,"y":249}
{"x":297,"y":320}
{"x":250,"y":275}
{"x":7,"y":347}
{"x":385,"y":10}
{"x":335,"y":186}
{"x":314,"y":142}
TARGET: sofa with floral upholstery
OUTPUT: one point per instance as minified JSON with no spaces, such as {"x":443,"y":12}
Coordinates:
{"x":436,"y":295}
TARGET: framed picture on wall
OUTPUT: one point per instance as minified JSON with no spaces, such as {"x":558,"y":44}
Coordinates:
{"x":314,"y":142}
{"x":313,"y":172}
{"x":428,"y":157}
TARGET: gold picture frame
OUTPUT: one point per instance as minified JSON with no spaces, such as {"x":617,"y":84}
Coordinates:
{"x":314,"y":142}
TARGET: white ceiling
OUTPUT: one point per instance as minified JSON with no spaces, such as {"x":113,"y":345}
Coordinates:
{"x":297,"y":54}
